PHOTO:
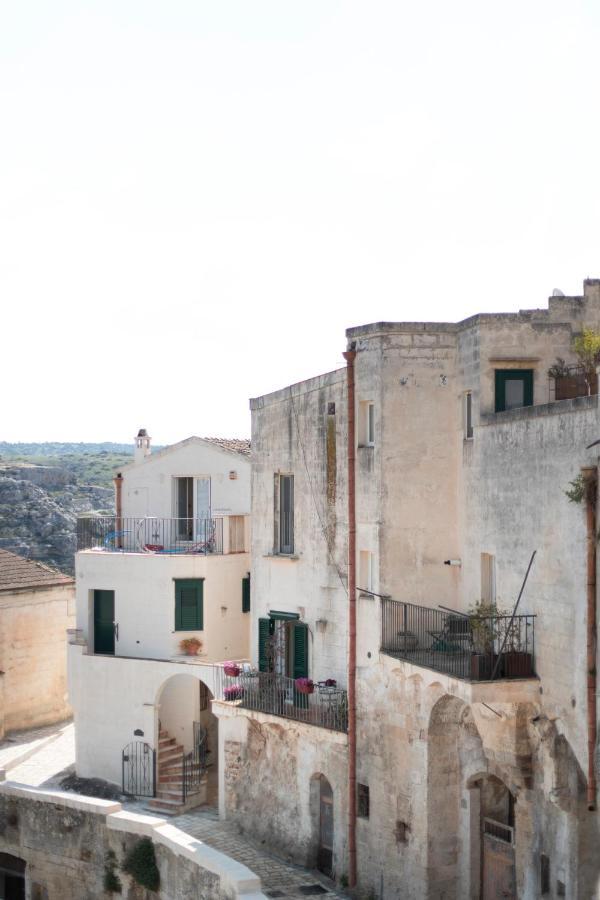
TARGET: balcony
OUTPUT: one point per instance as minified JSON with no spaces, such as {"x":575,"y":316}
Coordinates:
{"x":473,"y":648}
{"x":277,"y":695}
{"x":155,"y":535}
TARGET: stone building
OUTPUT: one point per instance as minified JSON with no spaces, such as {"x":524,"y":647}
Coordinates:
{"x":37,"y":605}
{"x":475,"y":728}
{"x":170,"y":569}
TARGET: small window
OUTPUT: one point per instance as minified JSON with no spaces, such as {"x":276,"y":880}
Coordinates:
{"x":514,"y":388}
{"x":362,"y":801}
{"x":468,"y":415}
{"x":203,"y":697}
{"x":286,"y":514}
{"x":366,"y":424}
{"x":544,"y":875}
{"x":246,"y":594}
{"x":488,"y":578}
{"x":189,"y":604}
{"x":366,"y":568}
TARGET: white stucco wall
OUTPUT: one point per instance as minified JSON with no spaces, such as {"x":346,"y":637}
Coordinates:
{"x":148,"y":486}
{"x":112,"y":697}
{"x":144,"y":586}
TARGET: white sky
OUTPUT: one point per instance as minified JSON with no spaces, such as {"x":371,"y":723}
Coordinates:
{"x":196,"y":199}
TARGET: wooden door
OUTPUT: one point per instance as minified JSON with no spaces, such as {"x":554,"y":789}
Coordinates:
{"x":104,"y":622}
{"x":498,"y":870}
{"x":325,"y":852}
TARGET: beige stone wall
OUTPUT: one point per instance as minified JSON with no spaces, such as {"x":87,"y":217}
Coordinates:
{"x":64,"y":841}
{"x":33,"y":656}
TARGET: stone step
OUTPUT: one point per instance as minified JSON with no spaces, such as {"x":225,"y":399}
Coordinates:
{"x":171,"y":753}
{"x":165,"y":742}
{"x":167,"y":807}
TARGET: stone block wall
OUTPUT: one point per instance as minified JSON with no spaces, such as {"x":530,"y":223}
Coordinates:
{"x":64,"y":841}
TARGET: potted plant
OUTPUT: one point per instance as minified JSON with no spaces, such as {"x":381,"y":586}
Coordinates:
{"x":483,"y":620}
{"x":516,"y":662}
{"x":232,"y":669}
{"x":234,"y":692}
{"x":190,"y":646}
{"x":304,"y":685}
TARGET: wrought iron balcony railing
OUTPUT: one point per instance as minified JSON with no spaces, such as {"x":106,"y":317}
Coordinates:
{"x":150,"y":535}
{"x":477,"y":648}
{"x":326,"y":706}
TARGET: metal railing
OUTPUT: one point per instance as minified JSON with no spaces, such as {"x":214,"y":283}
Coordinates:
{"x":325,"y":706}
{"x":477,"y":648}
{"x":150,"y":535}
{"x":195,"y":763}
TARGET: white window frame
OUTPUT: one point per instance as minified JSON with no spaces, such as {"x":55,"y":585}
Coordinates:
{"x":468,"y":416}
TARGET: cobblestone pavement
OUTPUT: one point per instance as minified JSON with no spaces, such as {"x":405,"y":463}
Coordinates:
{"x":49,"y":764}
{"x":24,"y":743}
{"x":279,"y":879}
{"x":43,"y":767}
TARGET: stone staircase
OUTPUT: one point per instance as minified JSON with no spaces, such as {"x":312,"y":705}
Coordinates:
{"x":169,"y":780}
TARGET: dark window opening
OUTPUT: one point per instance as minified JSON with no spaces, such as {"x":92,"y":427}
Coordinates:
{"x":286,"y":514}
{"x":362,"y":801}
{"x":468,"y":415}
{"x":544,"y":874}
{"x":514,"y":388}
{"x":331,"y":409}
{"x":246,"y":594}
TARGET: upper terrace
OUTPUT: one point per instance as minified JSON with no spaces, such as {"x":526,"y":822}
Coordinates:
{"x":158,"y":535}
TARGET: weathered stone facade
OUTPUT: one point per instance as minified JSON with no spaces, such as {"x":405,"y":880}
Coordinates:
{"x":441,"y":756}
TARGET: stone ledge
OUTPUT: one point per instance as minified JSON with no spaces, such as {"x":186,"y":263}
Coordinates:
{"x":558,"y":407}
{"x":225,"y":710}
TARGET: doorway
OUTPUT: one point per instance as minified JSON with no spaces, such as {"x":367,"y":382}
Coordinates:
{"x":104,"y":622}
{"x":325,"y":848}
{"x":497,"y":841}
{"x":12,"y":877}
{"x":192,"y":507}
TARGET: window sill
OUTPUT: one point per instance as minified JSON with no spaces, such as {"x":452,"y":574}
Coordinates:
{"x":293,"y":557}
{"x":366,"y":446}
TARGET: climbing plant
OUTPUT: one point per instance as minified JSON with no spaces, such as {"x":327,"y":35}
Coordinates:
{"x":112,"y":882}
{"x":140,"y":863}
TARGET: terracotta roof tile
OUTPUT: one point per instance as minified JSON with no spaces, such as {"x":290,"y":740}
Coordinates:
{"x":236,"y":445}
{"x":18,"y":573}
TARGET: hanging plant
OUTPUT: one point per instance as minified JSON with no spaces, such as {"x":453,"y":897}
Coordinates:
{"x":140,"y":863}
{"x":577,"y":491}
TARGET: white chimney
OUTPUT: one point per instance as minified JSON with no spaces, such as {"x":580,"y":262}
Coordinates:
{"x":142,"y":446}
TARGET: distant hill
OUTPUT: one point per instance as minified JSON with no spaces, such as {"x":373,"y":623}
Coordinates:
{"x":45,"y":486}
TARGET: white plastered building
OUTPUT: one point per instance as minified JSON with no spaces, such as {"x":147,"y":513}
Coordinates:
{"x":171,"y":566}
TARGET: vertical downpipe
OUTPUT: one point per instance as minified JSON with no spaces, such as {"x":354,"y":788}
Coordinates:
{"x":590,"y":475}
{"x":118,"y":482}
{"x":350,"y":356}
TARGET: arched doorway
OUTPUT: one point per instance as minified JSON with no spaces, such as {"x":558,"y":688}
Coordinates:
{"x":187,"y":744}
{"x":12,"y":877}
{"x":497,"y":829}
{"x":321,"y":806}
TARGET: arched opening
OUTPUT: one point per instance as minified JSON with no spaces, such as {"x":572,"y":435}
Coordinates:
{"x":321,"y":812}
{"x":12,"y":877}
{"x":187,"y":744}
{"x":496,"y":838}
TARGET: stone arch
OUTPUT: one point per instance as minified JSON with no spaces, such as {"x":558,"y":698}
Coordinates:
{"x":182,"y":708}
{"x":320,"y":798}
{"x":455,"y":754}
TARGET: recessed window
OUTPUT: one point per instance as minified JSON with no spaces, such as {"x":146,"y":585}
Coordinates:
{"x":488,"y":578}
{"x":366,"y":423}
{"x":468,"y":415}
{"x":514,"y":388}
{"x":366,"y":570}
{"x":246,"y":594}
{"x":544,"y":875}
{"x":286,"y":514}
{"x":362,"y":801}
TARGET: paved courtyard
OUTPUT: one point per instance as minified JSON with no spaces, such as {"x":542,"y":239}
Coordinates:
{"x":53,"y":756}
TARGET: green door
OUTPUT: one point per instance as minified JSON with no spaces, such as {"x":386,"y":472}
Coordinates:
{"x":104,"y":622}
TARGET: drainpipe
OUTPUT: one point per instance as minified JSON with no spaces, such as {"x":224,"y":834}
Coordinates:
{"x":350,"y":356}
{"x":590,"y":475}
{"x":118,"y":482}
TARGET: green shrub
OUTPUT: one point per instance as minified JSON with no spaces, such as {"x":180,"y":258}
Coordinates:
{"x":112,"y":883}
{"x":140,"y":863}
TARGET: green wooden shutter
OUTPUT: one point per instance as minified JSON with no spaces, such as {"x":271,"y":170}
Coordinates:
{"x":300,"y":640}
{"x":266,"y":628}
{"x":246,"y":594}
{"x":189,"y":605}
